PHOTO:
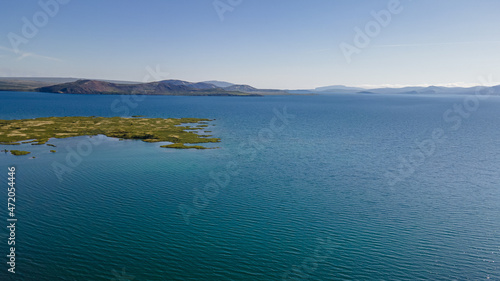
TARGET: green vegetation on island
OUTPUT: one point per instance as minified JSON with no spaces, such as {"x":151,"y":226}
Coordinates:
{"x":39,"y":130}
{"x":53,"y":151}
{"x":183,"y":146}
{"x":19,"y":152}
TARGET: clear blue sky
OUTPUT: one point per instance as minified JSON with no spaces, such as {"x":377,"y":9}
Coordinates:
{"x":264,"y":43}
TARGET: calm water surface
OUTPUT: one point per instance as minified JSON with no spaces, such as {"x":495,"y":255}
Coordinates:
{"x":311,"y":201}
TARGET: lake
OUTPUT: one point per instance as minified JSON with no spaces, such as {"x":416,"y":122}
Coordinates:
{"x":339,"y":187}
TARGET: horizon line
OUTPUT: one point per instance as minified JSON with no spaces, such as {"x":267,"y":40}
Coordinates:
{"x":362,"y":86}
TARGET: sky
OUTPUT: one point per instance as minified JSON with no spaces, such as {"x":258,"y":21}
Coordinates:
{"x":287,"y":44}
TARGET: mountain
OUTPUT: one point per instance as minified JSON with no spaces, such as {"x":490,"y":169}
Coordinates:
{"x":207,"y":88}
{"x":199,"y":85}
{"x":241,"y":88}
{"x":247,"y":89}
{"x":220,"y":84}
{"x":31,"y":83}
{"x":166,"y":87}
{"x":338,"y":87}
{"x":83,"y":87}
{"x":431,"y":90}
{"x":252,"y":90}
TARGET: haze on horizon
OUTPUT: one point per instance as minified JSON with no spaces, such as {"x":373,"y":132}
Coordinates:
{"x":284,"y":44}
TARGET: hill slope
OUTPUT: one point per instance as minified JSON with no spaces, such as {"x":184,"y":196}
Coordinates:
{"x":167,"y":87}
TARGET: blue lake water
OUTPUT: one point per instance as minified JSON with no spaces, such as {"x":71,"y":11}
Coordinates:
{"x":343,"y":187}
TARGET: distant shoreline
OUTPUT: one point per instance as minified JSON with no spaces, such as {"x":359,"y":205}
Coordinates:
{"x":160,"y":88}
{"x":208,"y":88}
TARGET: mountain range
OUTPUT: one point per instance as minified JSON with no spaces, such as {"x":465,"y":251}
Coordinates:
{"x":430,"y":90}
{"x":207,"y":88}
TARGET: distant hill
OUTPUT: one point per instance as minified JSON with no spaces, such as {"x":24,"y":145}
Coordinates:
{"x":338,"y":87}
{"x":247,"y":89}
{"x":220,"y":84}
{"x":252,"y":90}
{"x":199,"y":85}
{"x":167,"y":87}
{"x":241,"y":88}
{"x":207,"y":88}
{"x":83,"y":87}
{"x":31,"y":83}
{"x":431,"y":90}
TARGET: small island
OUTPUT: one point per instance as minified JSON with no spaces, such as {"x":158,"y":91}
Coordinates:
{"x":19,"y":152}
{"x":183,"y":146}
{"x":38,"y":131}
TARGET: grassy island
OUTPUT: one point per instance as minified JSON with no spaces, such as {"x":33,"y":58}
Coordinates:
{"x":183,"y":146}
{"x":39,"y":130}
{"x":19,"y":152}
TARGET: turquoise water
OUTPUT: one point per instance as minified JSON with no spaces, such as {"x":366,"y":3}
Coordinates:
{"x":308,"y":199}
